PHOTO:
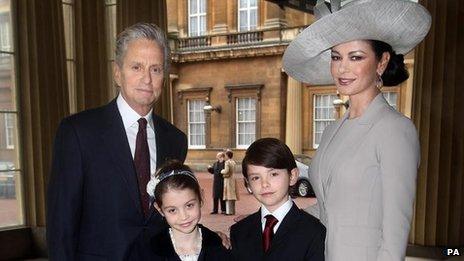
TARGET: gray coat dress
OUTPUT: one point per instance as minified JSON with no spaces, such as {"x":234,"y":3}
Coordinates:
{"x":365,"y":184}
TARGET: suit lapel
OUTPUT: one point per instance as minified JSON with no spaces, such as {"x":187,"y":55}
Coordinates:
{"x":355,"y":137}
{"x":162,"y":143}
{"x":255,"y":235}
{"x":290,"y":220}
{"x":115,"y":139}
{"x":321,"y":154}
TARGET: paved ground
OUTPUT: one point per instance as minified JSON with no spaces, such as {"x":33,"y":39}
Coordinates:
{"x":246,"y":204}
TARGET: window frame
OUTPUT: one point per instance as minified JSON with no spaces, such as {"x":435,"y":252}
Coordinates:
{"x":70,"y":53}
{"x":190,"y":146}
{"x":308,"y":111}
{"x":314,"y":120}
{"x":243,"y":91}
{"x":237,"y":123}
{"x":397,"y":91}
{"x":195,"y":93}
{"x":248,"y":10}
{"x":4,"y":34}
{"x":197,"y":15}
{"x":111,"y":31}
{"x":16,"y":171}
{"x":9,"y":130}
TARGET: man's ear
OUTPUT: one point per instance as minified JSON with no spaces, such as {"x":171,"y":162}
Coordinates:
{"x":117,"y":74}
{"x":294,"y":173}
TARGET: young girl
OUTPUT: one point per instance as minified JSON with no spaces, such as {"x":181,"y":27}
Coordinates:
{"x":178,"y":198}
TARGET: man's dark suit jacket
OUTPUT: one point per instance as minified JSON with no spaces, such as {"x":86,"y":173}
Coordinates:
{"x":299,"y":237}
{"x":94,"y":210}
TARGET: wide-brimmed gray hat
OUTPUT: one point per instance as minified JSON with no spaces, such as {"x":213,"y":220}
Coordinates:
{"x":400,"y":23}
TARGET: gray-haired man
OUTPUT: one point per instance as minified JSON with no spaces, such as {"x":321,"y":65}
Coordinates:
{"x":98,"y":207}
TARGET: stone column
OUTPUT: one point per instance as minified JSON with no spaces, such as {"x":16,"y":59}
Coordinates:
{"x":219,"y":15}
{"x":173,"y":18}
{"x":293,"y":128}
{"x":172,"y":78}
{"x":274,"y":16}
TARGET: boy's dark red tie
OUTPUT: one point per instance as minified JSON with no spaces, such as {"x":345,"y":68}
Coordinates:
{"x":268,"y":232}
{"x":142,"y":164}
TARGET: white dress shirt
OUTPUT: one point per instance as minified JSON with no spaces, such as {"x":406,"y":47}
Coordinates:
{"x":279,"y":213}
{"x":131,"y":126}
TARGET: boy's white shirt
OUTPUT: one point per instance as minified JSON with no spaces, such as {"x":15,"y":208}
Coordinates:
{"x":279,"y":213}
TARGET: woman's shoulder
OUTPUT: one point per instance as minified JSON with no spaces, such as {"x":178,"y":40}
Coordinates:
{"x":393,"y":121}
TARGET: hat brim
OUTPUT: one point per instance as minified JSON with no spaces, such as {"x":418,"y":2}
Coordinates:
{"x":400,"y":23}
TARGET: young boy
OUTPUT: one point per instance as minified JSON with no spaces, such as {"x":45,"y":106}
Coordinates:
{"x":279,"y":230}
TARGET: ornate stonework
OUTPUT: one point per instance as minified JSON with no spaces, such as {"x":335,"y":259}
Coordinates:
{"x":228,"y":53}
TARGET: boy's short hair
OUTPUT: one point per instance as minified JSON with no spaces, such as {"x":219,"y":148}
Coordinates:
{"x":269,"y":153}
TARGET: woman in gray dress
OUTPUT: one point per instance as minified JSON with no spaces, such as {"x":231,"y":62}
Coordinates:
{"x":364,"y":171}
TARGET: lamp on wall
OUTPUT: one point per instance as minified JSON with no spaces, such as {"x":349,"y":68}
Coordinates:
{"x":208,"y":107}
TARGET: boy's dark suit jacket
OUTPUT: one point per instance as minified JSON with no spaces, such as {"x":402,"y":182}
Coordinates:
{"x":299,"y":237}
{"x":211,"y":247}
{"x":94,"y":210}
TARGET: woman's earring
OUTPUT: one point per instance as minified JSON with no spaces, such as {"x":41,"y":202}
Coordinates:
{"x":379,"y":83}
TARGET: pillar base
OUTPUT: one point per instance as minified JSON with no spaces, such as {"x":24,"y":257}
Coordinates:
{"x":220,"y":28}
{"x":275,"y":23}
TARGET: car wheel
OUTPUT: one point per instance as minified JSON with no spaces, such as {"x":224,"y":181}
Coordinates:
{"x":303,"y":188}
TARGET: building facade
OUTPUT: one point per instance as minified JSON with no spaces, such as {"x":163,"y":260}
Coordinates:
{"x":227,"y":56}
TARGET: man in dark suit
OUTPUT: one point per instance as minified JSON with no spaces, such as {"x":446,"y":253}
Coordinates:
{"x":218,"y":184}
{"x":98,"y":206}
{"x":279,"y":230}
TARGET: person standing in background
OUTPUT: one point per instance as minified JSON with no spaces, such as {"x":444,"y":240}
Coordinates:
{"x":218,"y":184}
{"x":230,"y":193}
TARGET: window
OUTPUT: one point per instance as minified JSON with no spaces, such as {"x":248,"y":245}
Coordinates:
{"x":110,"y":6}
{"x":392,"y":99}
{"x":10,"y":167}
{"x":323,"y":115}
{"x":196,"y":124}
{"x":246,"y":121}
{"x":69,"y":26}
{"x":247,"y":15}
{"x":4,"y":32}
{"x":9,"y":130}
{"x":245,"y":113}
{"x":197,"y":17}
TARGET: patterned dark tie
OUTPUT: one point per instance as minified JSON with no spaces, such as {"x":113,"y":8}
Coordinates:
{"x":268,"y":232}
{"x":142,"y":164}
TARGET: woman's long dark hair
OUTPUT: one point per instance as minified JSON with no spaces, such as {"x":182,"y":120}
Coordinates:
{"x":396,"y":71}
